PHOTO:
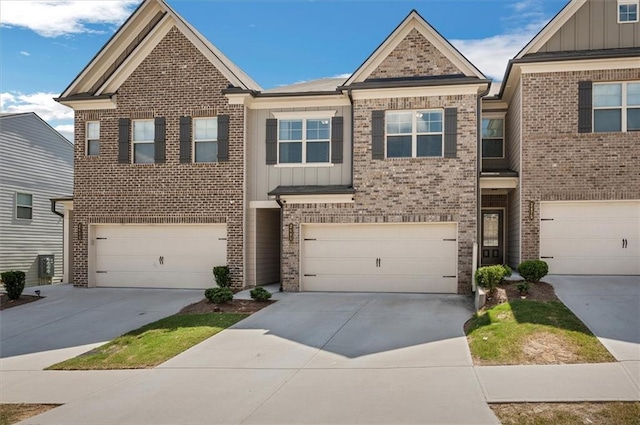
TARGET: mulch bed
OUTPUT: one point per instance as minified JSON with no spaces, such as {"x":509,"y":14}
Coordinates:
{"x":24,"y":299}
{"x":507,"y":292}
{"x":234,"y":306}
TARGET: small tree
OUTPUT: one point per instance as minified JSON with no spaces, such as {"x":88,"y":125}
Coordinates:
{"x":222,"y":277}
{"x":533,"y":270}
{"x":14,"y":283}
{"x":489,"y":277}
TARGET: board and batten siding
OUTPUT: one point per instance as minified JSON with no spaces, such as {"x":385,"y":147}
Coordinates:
{"x":594,"y":26}
{"x":262,"y":178}
{"x":513,"y":134}
{"x":37,"y":160}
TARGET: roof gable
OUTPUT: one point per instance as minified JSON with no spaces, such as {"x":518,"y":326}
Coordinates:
{"x":133,"y":42}
{"x":413,"y":34}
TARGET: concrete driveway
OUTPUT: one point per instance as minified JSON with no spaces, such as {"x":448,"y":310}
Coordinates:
{"x":610,"y":307}
{"x":309,"y":359}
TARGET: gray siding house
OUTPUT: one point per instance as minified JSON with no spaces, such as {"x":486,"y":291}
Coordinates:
{"x":37,"y":165}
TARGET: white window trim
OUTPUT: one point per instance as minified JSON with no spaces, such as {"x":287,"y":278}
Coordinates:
{"x":23,"y":206}
{"x":194,"y":141}
{"x":304,"y":117}
{"x":493,"y":116}
{"x":134,"y":142}
{"x":414,"y":133}
{"x":624,"y":107}
{"x":87,"y":139}
{"x":628,"y":2}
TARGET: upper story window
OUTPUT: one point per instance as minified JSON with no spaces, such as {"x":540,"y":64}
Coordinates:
{"x":616,"y":107}
{"x":205,"y":139}
{"x":627,"y":11}
{"x":411,"y":134}
{"x":24,"y":206}
{"x":143,"y":141}
{"x":93,"y":138}
{"x":304,"y":141}
{"x":493,"y":138}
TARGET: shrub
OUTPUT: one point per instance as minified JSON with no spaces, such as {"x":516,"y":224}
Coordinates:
{"x":523,"y":287}
{"x":489,"y":277}
{"x":533,"y":270}
{"x":221,"y":274}
{"x":14,"y":283}
{"x":260,"y":294}
{"x":507,"y":270}
{"x":218,"y":295}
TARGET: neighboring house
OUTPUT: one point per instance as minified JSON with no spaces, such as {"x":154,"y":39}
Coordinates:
{"x":386,"y":181}
{"x":37,"y":165}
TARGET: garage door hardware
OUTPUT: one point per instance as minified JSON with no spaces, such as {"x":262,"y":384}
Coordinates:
{"x":449,"y":240}
{"x":449,"y":277}
{"x":378,"y":262}
{"x":310,"y":239}
{"x":222,"y":239}
{"x":310,"y":275}
{"x":546,"y":257}
{"x":101,"y":239}
{"x":625,"y":243}
{"x":161,"y":260}
{"x":546,"y":219}
{"x":101,"y":271}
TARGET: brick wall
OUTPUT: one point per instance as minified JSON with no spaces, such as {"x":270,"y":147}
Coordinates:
{"x":561,"y":164}
{"x":402,"y":190}
{"x":174,"y":80}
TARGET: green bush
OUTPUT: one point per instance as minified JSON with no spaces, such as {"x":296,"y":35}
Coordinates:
{"x":533,"y":270}
{"x":14,"y":283}
{"x":221,"y":274}
{"x":523,"y":287}
{"x":489,"y":277}
{"x":218,"y":295}
{"x":507,"y":270}
{"x":260,"y":294}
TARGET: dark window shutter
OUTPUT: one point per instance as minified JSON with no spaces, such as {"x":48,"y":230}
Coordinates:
{"x":159,"y":140}
{"x":450,"y":132}
{"x":272,"y":141}
{"x":185,"y":139}
{"x":124,"y":133}
{"x":585,"y":106}
{"x":337,"y":137}
{"x":377,"y":134}
{"x":223,"y":137}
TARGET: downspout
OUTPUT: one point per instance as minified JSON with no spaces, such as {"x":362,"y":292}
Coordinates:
{"x":350,"y":96}
{"x":479,"y":171}
{"x":280,"y":203}
{"x":53,"y":208}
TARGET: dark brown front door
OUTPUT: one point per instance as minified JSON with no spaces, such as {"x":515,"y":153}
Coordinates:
{"x":492,"y":237}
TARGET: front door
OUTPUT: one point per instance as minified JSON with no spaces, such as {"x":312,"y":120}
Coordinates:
{"x":492,"y":237}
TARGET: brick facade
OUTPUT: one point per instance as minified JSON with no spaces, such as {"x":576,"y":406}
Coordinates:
{"x":560,"y":164}
{"x":174,"y":80}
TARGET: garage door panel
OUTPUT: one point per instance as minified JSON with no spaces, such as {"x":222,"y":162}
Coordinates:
{"x":331,"y":248}
{"x":417,"y":267}
{"x":151,"y":279}
{"x":436,"y":249}
{"x":589,"y":228}
{"x":591,"y":247}
{"x":371,"y":283}
{"x":341,"y":266}
{"x":594,"y":265}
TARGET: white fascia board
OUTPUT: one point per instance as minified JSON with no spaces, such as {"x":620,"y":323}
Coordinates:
{"x":67,"y":205}
{"x":317,"y":199}
{"x":137,"y":56}
{"x":311,"y":101}
{"x":304,"y":114}
{"x":87,"y":104}
{"x":498,"y":182}
{"x":578,"y":65}
{"x":263,"y":204}
{"x":394,"y":93}
{"x":493,"y":105}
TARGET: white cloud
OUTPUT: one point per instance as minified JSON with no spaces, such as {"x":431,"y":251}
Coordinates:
{"x":62,"y":17}
{"x":23,"y":53}
{"x":66,"y":130}
{"x":40,"y":103}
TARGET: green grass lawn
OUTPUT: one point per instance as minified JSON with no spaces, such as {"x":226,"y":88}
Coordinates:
{"x":532,"y":332}
{"x":152,"y":344}
{"x":608,"y":413}
{"x":13,"y":413}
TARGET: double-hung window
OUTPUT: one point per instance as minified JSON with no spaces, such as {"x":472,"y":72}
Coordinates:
{"x":205,"y":139}
{"x":93,"y":138}
{"x":304,"y":141}
{"x":493,"y":138}
{"x":24,"y":206}
{"x":627,"y":11}
{"x":616,"y":107}
{"x":143,"y":141}
{"x":413,"y":134}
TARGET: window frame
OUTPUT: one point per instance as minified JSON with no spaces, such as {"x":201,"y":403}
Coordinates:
{"x":194,"y":140}
{"x":89,"y":140}
{"x":494,"y":116}
{"x":134,"y":142}
{"x":414,"y":132}
{"x":18,"y":205}
{"x":304,"y":116}
{"x":623,"y":107}
{"x":621,"y":3}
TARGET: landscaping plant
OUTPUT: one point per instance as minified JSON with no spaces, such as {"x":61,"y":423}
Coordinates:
{"x":219,"y":295}
{"x":14,"y":283}
{"x":489,"y":277}
{"x":533,"y":270}
{"x":221,"y":275}
{"x":260,"y":294}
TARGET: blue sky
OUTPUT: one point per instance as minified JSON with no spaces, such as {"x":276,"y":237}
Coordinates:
{"x":45,"y":44}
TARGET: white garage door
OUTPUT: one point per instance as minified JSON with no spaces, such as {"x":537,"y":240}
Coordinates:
{"x":158,"y":256}
{"x":380,"y":257}
{"x":591,"y":237}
